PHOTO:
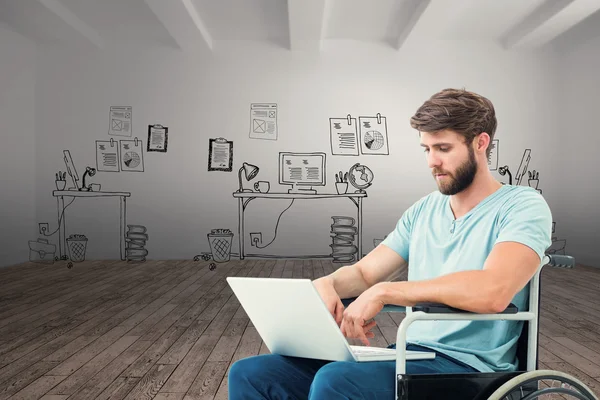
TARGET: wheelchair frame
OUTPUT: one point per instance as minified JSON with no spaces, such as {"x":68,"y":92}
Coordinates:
{"x":480,"y":385}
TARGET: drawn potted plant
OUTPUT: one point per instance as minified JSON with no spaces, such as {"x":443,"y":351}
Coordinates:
{"x":534,"y":179}
{"x":61,"y":180}
{"x":341,"y":182}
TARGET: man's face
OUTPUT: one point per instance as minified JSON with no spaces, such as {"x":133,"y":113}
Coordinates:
{"x":452,"y":162}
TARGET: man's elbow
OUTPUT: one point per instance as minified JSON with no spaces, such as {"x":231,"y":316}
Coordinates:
{"x":498,"y":302}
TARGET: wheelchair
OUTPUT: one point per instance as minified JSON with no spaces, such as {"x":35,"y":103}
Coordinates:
{"x":526,"y":383}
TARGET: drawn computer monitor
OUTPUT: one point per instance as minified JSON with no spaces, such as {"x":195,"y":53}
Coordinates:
{"x":71,"y":168}
{"x":302,"y":171}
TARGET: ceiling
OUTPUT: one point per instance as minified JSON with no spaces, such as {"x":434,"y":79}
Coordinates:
{"x":303,"y":25}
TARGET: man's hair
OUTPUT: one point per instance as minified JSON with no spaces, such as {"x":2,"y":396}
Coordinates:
{"x":459,"y":110}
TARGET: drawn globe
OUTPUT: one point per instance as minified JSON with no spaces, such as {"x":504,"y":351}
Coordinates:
{"x":373,"y":140}
{"x":360,"y":176}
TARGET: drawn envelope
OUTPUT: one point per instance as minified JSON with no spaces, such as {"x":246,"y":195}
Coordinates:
{"x":259,"y":126}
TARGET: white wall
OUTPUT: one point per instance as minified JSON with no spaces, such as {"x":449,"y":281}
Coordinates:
{"x":199,"y":98}
{"x":580,"y":186}
{"x":17,"y":152}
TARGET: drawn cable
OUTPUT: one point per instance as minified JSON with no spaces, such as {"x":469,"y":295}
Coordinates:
{"x":275,"y":236}
{"x":60,"y":219}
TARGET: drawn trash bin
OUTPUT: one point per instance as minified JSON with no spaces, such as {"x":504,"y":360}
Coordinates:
{"x":41,"y":251}
{"x":77,"y":244}
{"x":220,"y":244}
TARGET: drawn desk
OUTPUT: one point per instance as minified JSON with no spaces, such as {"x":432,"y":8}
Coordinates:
{"x":60,"y":197}
{"x":245,"y":197}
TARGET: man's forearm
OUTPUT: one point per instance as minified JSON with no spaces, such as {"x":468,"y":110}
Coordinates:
{"x":347,"y":281}
{"x":477,"y":291}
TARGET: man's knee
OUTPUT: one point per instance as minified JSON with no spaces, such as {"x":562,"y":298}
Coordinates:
{"x":332,"y":378}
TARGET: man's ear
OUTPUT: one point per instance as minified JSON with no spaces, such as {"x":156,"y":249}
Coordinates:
{"x":483,"y":140}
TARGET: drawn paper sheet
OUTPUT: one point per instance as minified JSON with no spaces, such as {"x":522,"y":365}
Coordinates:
{"x":373,"y":135}
{"x":220,"y":155}
{"x":107,"y":155}
{"x":158,"y":138}
{"x":120,"y":121}
{"x":132,"y":155}
{"x":343,"y":136}
{"x":263,"y":121}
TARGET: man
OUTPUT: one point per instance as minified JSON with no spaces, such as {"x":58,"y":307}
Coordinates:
{"x":473,"y":245}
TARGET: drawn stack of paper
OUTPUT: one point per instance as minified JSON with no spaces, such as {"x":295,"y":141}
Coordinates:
{"x":136,"y":239}
{"x":343,"y":232}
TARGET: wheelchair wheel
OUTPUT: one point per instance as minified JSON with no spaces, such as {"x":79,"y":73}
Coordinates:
{"x":542,"y":384}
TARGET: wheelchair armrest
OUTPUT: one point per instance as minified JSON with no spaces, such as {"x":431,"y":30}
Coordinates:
{"x":439,"y":308}
{"x":386,"y":307}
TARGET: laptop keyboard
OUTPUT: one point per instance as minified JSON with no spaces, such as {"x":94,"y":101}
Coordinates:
{"x":371,"y":351}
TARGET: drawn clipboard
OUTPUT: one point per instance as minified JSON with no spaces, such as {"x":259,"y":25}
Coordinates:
{"x":132,"y":155}
{"x":107,"y":155}
{"x":220,"y":155}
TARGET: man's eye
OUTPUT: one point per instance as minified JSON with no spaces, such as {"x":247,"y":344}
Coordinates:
{"x":444,"y":149}
{"x":426,"y":150}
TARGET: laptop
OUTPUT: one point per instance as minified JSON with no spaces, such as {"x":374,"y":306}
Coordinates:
{"x":293,"y":320}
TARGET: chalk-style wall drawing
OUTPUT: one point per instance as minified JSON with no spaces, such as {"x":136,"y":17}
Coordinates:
{"x":42,"y":252}
{"x":341,"y":182}
{"x":504,"y":171}
{"x":74,"y":247}
{"x":523,"y":166}
{"x":494,"y":155}
{"x":220,"y":155}
{"x":534,"y":179}
{"x":107,"y":155}
{"x":120,"y":120}
{"x":343,"y":135}
{"x":302,"y":171}
{"x":136,"y":239}
{"x":361,"y":177}
{"x":373,"y":135}
{"x":558,"y":246}
{"x":158,"y":138}
{"x":343,"y":232}
{"x":263,"y":121}
{"x":132,"y":155}
{"x":219,"y":241}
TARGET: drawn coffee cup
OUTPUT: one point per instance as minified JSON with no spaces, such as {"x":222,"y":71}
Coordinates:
{"x":262,"y":186}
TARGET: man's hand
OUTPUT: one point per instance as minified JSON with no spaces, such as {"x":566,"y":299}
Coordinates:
{"x":332,"y":300}
{"x":355,"y":317}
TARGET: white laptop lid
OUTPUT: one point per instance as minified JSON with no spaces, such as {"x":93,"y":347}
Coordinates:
{"x":291,"y":317}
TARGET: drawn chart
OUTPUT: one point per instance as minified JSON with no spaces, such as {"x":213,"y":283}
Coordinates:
{"x":120,"y":120}
{"x":132,"y":155}
{"x":373,"y":135}
{"x":343,"y":136}
{"x":263,"y":121}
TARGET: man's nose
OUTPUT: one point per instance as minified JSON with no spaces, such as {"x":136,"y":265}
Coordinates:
{"x":432,"y":160}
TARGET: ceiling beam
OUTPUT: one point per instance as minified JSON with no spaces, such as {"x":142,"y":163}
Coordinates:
{"x":548,"y":21}
{"x":183,"y":22}
{"x":73,"y":21}
{"x":409,"y":26}
{"x":306,"y":20}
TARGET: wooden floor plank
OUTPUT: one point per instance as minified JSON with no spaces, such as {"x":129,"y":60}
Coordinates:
{"x":170,"y":330}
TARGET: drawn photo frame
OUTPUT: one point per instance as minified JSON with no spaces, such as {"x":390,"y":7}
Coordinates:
{"x":220,"y":155}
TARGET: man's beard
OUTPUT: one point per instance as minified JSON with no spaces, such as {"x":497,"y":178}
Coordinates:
{"x":462,"y":179}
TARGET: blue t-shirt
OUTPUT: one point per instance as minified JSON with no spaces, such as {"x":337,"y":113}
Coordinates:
{"x":434,"y":243}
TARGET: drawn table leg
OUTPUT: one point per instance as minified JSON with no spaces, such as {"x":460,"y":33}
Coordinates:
{"x":62,"y":242}
{"x":241,"y":226}
{"x":122,"y":230}
{"x":359,"y":226}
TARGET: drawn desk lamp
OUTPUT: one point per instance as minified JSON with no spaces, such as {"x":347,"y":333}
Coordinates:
{"x":250,"y":171}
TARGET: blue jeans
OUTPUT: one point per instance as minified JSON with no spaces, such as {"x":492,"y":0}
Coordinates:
{"x":271,"y":376}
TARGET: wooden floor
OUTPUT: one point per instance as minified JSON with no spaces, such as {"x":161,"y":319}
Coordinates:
{"x":171,"y":329}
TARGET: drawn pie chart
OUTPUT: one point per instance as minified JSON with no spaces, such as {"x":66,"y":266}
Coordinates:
{"x":131,"y":159}
{"x":373,"y":140}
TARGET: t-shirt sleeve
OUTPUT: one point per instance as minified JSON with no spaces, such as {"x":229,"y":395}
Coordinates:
{"x":399,"y":239}
{"x":527,"y":220}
